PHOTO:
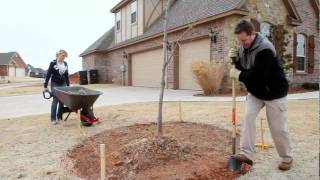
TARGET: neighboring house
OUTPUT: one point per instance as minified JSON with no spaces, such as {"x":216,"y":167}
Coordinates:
{"x":74,"y":78}
{"x":11,"y":66}
{"x":136,"y":39}
{"x":35,"y":72}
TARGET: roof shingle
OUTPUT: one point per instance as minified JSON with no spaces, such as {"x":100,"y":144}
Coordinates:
{"x":5,"y":58}
{"x":104,"y":42}
{"x":183,"y":12}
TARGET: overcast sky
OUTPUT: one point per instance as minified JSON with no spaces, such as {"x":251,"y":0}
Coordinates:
{"x":37,"y":29}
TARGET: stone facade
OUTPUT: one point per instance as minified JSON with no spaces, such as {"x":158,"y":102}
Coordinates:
{"x":271,"y":11}
{"x":310,"y":27}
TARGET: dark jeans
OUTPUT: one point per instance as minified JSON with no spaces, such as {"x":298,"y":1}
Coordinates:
{"x":55,"y":102}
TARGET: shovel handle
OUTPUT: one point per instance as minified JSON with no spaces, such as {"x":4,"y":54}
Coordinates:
{"x":233,"y":117}
{"x":234,"y":113}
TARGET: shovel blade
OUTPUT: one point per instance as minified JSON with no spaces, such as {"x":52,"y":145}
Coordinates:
{"x":234,"y":164}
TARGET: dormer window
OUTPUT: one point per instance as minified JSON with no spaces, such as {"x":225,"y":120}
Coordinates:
{"x":133,"y":12}
{"x":118,"y":24}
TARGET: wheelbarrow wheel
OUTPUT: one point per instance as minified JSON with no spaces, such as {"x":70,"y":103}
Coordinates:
{"x":87,"y":116}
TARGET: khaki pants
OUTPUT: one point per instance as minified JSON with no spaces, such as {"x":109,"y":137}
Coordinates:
{"x":277,"y":116}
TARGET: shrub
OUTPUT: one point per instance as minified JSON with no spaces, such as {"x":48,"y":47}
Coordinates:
{"x":312,"y":86}
{"x":208,"y":75}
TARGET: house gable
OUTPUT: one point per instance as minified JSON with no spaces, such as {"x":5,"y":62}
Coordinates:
{"x":205,"y":17}
{"x":149,"y":10}
{"x":12,"y":58}
{"x":293,"y":17}
{"x":18,"y":61}
{"x":181,"y":12}
{"x":104,"y":42}
{"x":149,"y":13}
{"x":129,"y":19}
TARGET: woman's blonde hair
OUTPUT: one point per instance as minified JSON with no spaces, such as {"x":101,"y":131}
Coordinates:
{"x":61,"y":51}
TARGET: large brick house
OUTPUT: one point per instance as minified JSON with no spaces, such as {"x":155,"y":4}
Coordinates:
{"x":136,"y":39}
{"x":306,"y":43}
{"x":11,"y":66}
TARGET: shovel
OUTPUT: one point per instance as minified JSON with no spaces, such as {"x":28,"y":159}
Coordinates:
{"x":233,"y":163}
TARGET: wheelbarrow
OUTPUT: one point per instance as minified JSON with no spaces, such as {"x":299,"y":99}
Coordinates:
{"x":80,"y":100}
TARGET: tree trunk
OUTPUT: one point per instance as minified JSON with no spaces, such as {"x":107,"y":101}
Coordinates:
{"x":165,"y":59}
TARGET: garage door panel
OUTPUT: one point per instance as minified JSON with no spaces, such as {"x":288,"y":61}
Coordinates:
{"x":146,"y":68}
{"x":20,"y":72}
{"x":192,"y":51}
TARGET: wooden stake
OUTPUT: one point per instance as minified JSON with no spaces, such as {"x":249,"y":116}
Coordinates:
{"x":79,"y":114}
{"x":103,"y":161}
{"x":262,"y":140}
{"x":180,"y":111}
{"x":261,"y":144}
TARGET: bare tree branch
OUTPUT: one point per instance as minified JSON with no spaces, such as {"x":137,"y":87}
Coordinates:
{"x":166,"y":61}
{"x":177,"y":44}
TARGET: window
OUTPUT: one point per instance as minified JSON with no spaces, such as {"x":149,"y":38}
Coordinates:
{"x":265,"y":29}
{"x":301,"y":53}
{"x":118,"y":17}
{"x":134,"y":12}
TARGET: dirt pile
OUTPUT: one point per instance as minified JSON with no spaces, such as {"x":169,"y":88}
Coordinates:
{"x":187,"y":151}
{"x":147,"y":153}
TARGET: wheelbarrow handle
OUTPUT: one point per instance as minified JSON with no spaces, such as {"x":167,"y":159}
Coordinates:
{"x":45,"y":94}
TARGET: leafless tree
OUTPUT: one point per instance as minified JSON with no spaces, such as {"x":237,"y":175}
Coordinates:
{"x":166,"y":62}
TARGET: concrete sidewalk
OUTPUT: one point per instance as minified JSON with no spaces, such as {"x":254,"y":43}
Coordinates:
{"x":17,"y":106}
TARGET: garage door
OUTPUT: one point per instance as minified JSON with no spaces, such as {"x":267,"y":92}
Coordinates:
{"x":146,"y":68}
{"x":189,"y":52}
{"x":20,"y":72}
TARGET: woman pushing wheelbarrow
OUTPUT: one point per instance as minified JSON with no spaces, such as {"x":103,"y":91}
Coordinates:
{"x":59,"y":76}
{"x":70,"y":99}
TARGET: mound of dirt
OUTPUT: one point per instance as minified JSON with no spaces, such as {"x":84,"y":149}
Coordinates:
{"x":187,"y":151}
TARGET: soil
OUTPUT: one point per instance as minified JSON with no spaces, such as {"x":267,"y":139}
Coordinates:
{"x":187,"y":151}
{"x":32,"y":148}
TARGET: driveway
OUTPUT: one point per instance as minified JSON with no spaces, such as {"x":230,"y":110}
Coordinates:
{"x":17,"y":106}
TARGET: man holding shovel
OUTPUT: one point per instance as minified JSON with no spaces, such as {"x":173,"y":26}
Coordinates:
{"x":257,"y":66}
